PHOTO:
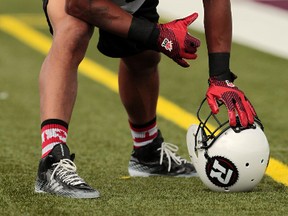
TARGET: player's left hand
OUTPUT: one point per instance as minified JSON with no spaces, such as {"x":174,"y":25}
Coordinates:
{"x":233,"y":98}
{"x":175,"y":41}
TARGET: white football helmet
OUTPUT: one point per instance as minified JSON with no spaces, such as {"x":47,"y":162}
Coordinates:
{"x":228,"y":159}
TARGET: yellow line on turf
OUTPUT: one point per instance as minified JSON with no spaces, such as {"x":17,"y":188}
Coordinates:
{"x":278,"y":171}
{"x":168,"y":110}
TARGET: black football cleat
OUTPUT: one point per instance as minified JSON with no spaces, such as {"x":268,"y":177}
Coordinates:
{"x":159,"y":159}
{"x":57,"y":175}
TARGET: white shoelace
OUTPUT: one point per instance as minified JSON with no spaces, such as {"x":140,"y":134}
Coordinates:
{"x":170,"y":150}
{"x":66,"y":170}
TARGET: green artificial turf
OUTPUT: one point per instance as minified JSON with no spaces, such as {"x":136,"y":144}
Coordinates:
{"x":99,"y":135}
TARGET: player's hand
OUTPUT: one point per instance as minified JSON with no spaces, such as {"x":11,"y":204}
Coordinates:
{"x":233,"y":98}
{"x":175,"y":41}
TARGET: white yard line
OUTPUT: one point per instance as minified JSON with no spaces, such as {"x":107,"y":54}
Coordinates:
{"x":256,"y":25}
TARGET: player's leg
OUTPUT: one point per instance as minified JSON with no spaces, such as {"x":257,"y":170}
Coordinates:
{"x":139,"y":89}
{"x":139,"y":86}
{"x":58,"y":88}
{"x":58,"y":76}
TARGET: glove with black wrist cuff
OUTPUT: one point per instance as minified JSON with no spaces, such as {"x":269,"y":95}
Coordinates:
{"x":222,"y":88}
{"x":172,"y":39}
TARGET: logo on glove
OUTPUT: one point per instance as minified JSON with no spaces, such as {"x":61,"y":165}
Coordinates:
{"x":229,"y":84}
{"x":167,"y":44}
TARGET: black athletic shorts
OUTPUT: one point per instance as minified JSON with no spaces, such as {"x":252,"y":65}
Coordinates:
{"x":114,"y":46}
{"x":45,"y":2}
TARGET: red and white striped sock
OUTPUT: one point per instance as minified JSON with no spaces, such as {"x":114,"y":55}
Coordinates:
{"x":144,"y":134}
{"x":53,"y":132}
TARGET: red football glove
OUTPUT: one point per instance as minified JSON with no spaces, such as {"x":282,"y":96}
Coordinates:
{"x":175,"y":41}
{"x":233,"y":98}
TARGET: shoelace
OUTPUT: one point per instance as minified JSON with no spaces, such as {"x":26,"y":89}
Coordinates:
{"x":170,"y":150}
{"x":66,"y":170}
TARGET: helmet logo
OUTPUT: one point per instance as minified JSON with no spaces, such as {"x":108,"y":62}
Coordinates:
{"x":221,"y":171}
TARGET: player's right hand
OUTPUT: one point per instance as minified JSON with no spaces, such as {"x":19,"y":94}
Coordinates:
{"x":233,"y":98}
{"x":175,"y":41}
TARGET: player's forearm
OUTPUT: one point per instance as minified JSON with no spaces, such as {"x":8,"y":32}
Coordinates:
{"x":218,"y":25}
{"x":103,"y":14}
{"x":171,"y":38}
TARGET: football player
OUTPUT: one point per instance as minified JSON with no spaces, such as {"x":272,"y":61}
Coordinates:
{"x":129,"y":30}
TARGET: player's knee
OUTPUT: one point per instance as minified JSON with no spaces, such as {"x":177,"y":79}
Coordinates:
{"x":73,"y":39}
{"x":143,"y":61}
{"x":151,"y":59}
{"x":74,"y":8}
{"x":81,"y":33}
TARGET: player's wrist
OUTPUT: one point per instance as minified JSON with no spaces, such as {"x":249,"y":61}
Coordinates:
{"x":219,"y":66}
{"x":144,"y":31}
{"x":230,"y":76}
{"x":224,"y":80}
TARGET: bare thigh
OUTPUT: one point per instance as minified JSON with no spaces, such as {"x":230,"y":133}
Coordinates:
{"x":69,"y":33}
